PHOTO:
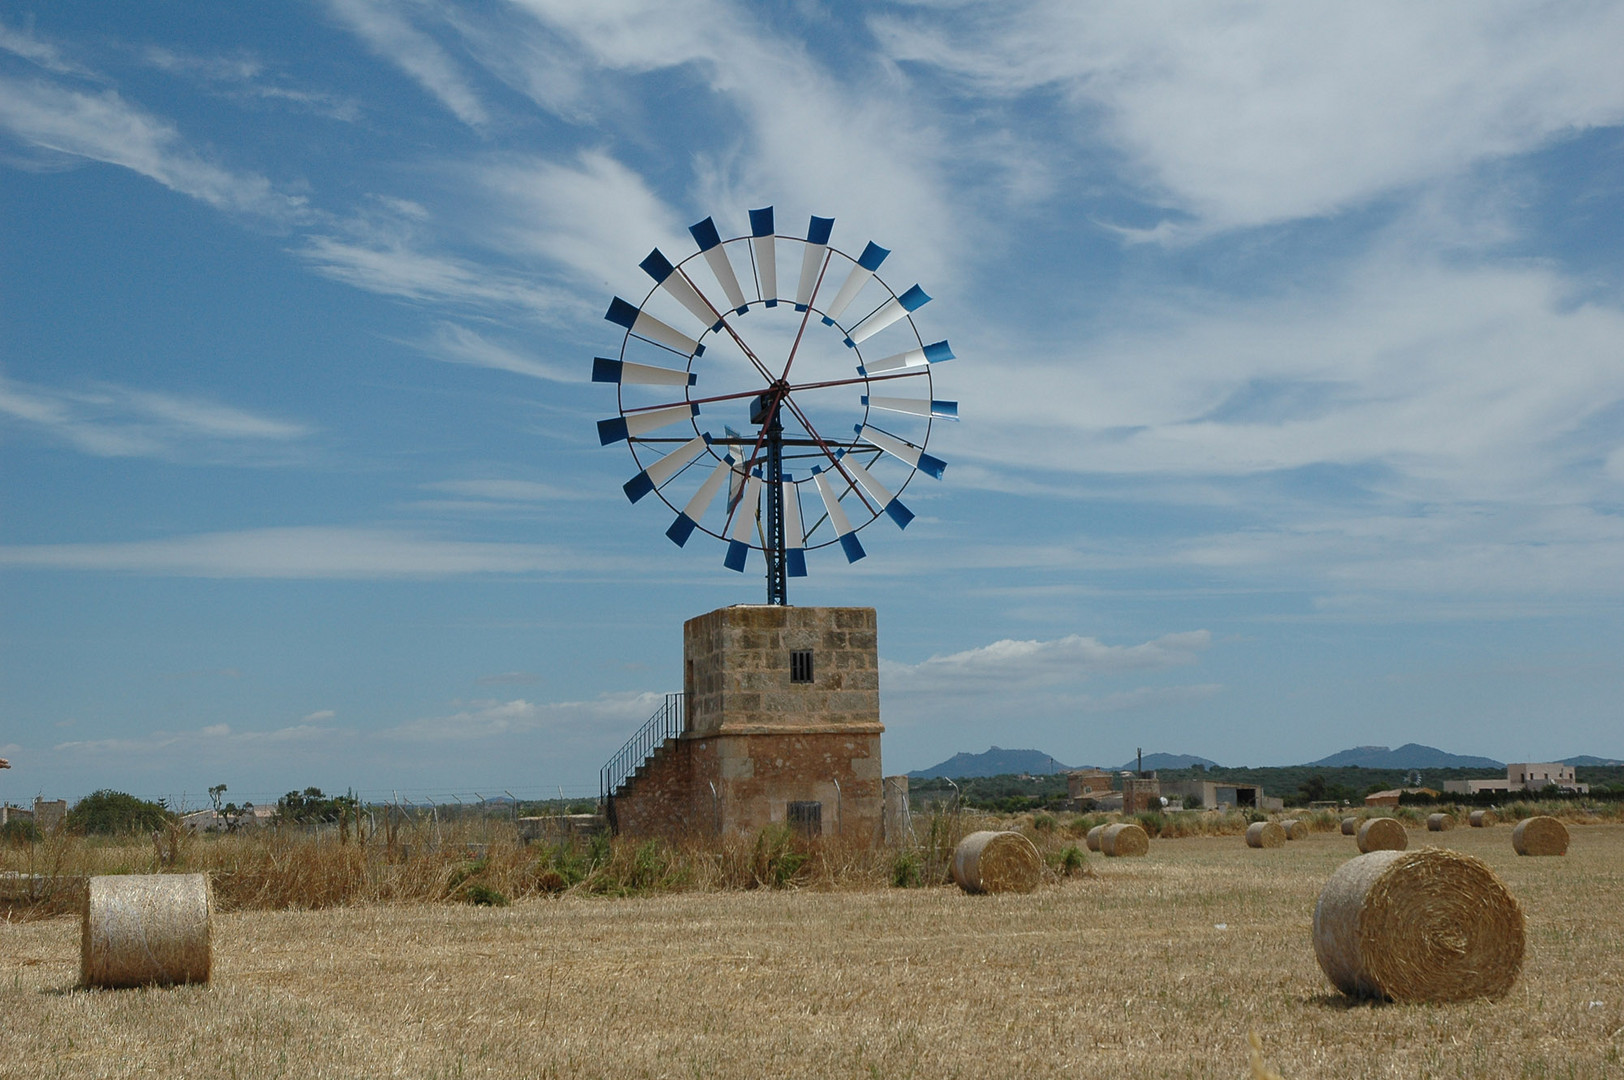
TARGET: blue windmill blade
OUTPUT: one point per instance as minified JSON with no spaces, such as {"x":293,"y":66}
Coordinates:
{"x":920,"y":358}
{"x":764,"y":244}
{"x":710,"y":245}
{"x":794,"y":533}
{"x":837,"y":518}
{"x":888,"y":313}
{"x":812,"y":258}
{"x":903,"y":450}
{"x":680,"y":289}
{"x":744,"y":524}
{"x":644,"y":325}
{"x":932,"y":407}
{"x":688,"y":519}
{"x":890,"y":503}
{"x":657,"y":474}
{"x":861,"y":273}
{"x":605,"y":369}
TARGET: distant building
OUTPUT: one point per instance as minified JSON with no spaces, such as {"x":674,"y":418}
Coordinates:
{"x":1220,"y":795}
{"x":1141,"y":793}
{"x":1524,"y":776}
{"x":49,"y":814}
{"x":1088,"y":784}
{"x":1390,"y":797}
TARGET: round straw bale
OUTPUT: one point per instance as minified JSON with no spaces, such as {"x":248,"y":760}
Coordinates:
{"x":1382,"y":834}
{"x":1350,"y":826}
{"x":1124,"y":838}
{"x":990,"y":862}
{"x":1482,"y":819}
{"x":1093,"y":838}
{"x":144,"y":929}
{"x":1540,"y":836}
{"x":1428,"y":925}
{"x":1295,"y":829}
{"x":1440,"y":822}
{"x":1265,"y":834}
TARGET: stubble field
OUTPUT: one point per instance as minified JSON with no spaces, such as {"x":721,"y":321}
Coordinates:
{"x":1158,"y":966}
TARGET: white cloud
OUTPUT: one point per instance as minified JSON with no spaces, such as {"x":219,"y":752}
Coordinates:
{"x":523,"y":491}
{"x":387,"y":33}
{"x":36,"y":50}
{"x":319,"y":714}
{"x":394,"y":266}
{"x":104,"y":127}
{"x":575,"y":720}
{"x":309,"y":552}
{"x":1248,"y":114}
{"x":115,"y":421}
{"x":456,"y":344}
{"x":1015,"y":666}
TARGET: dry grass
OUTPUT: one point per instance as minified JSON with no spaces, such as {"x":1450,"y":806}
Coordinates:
{"x":1157,"y":966}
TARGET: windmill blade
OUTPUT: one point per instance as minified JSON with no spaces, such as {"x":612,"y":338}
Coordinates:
{"x":657,"y":474}
{"x":837,"y":517}
{"x":903,"y":450}
{"x":710,"y":243}
{"x":641,"y":423}
{"x":860,"y":275}
{"x":764,"y":244}
{"x":744,"y":523}
{"x":888,"y":313}
{"x":677,"y":285}
{"x":647,"y":326}
{"x":688,"y":520}
{"x":934,"y":353}
{"x":624,"y":371}
{"x":892,"y":505}
{"x":794,"y":537}
{"x":942,"y":410}
{"x":817,"y":248}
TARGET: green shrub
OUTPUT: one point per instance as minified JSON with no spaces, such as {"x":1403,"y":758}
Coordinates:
{"x":779,"y":856}
{"x":1043,"y":823}
{"x":1152,"y":821}
{"x":907,"y":870}
{"x":483,"y":895}
{"x":1068,"y":860}
{"x":110,"y":813}
{"x":20,"y":832}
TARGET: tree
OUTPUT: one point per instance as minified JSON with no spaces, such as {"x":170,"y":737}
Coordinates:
{"x":107,"y":812}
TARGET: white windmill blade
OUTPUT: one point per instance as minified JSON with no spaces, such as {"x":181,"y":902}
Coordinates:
{"x":647,"y":326}
{"x":934,"y":353}
{"x":892,"y":505}
{"x":941,"y":410}
{"x":710,"y":244}
{"x":817,"y":248}
{"x":744,"y":525}
{"x":837,"y":517}
{"x":641,"y":423}
{"x":794,"y":536}
{"x":656,"y":475}
{"x":868,"y":262}
{"x":605,"y":369}
{"x":677,"y":285}
{"x":903,"y":450}
{"x":764,"y":244}
{"x":688,"y":519}
{"x":888,"y":313}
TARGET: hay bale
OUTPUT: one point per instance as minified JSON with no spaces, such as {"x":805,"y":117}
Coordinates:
{"x":1124,"y":838}
{"x":1440,"y":822}
{"x":1350,"y":826}
{"x":1265,"y":834}
{"x":1093,"y":838}
{"x":991,"y":862}
{"x":1428,"y":925}
{"x":1540,"y":836}
{"x":1295,"y":829}
{"x":1482,"y":819}
{"x":145,"y":929}
{"x":1382,"y":834}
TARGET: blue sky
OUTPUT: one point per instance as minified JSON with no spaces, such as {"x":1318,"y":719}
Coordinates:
{"x":1289,"y":351}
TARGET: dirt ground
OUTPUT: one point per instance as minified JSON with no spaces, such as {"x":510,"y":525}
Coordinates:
{"x":1155,"y":967}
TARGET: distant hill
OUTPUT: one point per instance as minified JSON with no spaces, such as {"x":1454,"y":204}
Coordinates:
{"x":1408,"y":756}
{"x":1590,"y":761}
{"x":1168,"y":761}
{"x":995,"y":762}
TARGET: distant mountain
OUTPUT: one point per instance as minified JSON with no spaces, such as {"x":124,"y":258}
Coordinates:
{"x":1590,"y":759}
{"x":1167,"y":761}
{"x":1408,"y":756}
{"x":995,"y":762}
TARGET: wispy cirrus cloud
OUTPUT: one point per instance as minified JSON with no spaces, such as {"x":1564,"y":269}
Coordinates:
{"x":1242,"y":116}
{"x":114,"y":421}
{"x":1010,"y":666}
{"x":457,"y":344}
{"x":389,"y":34}
{"x":23,"y":42}
{"x":103,"y":126}
{"x":313,"y":552}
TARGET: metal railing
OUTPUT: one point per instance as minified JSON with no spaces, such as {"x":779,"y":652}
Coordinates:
{"x":666,"y":723}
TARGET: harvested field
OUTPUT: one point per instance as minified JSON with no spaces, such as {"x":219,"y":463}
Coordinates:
{"x":848,"y":982}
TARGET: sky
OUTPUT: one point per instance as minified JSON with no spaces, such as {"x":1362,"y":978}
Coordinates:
{"x":1289,"y":361}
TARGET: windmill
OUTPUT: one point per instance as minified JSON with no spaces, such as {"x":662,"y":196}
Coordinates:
{"x":840,"y":353}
